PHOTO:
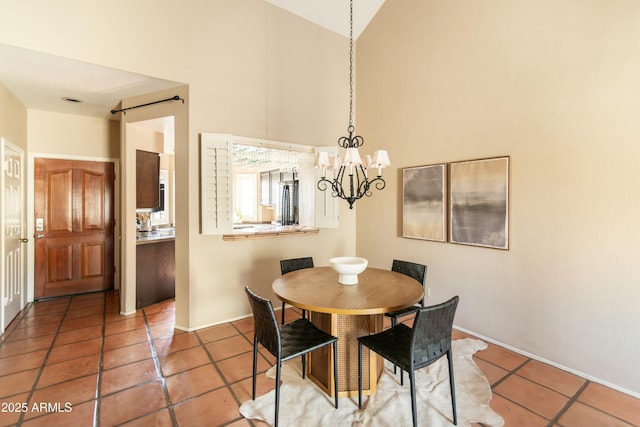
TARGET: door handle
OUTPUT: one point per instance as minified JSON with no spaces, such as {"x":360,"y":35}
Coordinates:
{"x":39,"y":236}
{"x":24,"y":240}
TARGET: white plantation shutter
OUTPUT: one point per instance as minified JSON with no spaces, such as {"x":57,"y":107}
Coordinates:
{"x":215,"y":183}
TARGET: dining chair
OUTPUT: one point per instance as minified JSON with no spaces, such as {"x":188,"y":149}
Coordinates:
{"x":418,"y":272}
{"x":413,"y":348}
{"x":293,"y":264}
{"x":286,"y":342}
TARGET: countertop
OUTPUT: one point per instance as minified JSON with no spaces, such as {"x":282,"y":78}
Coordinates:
{"x":155,"y":236}
{"x":255,"y":231}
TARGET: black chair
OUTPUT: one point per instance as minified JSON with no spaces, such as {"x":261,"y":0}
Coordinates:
{"x":286,"y":342}
{"x":417,"y":347}
{"x":289,"y":265}
{"x":418,"y":272}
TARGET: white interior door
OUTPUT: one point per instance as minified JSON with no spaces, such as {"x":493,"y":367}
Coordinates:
{"x":12,"y":222}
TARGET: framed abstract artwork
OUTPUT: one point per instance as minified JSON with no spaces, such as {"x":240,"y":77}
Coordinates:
{"x":424,"y":190}
{"x":479,"y":202}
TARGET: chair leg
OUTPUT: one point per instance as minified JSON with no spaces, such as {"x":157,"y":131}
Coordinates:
{"x":278,"y":366}
{"x":283,"y":313}
{"x":304,"y":314}
{"x":304,"y":365}
{"x":255,"y":368}
{"x":453,"y":387}
{"x":394,"y":321}
{"x":335,"y":371}
{"x":413,"y":397}
{"x":359,"y":375}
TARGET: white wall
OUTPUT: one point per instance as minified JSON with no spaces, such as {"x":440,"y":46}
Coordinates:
{"x":553,"y":84}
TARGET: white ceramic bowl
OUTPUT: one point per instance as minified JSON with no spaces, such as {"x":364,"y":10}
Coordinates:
{"x":348,"y":267}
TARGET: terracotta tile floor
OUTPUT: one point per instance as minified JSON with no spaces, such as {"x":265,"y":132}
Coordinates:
{"x":103,"y":369}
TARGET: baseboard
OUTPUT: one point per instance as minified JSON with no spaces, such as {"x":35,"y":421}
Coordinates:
{"x":187,"y":329}
{"x":552,"y":363}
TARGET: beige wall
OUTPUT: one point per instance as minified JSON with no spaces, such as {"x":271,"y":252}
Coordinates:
{"x":66,"y":134}
{"x":253,"y":70}
{"x":13,"y":118}
{"x":553,"y":84}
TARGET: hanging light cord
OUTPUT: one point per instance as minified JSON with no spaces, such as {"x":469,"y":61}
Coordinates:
{"x":351,"y":128}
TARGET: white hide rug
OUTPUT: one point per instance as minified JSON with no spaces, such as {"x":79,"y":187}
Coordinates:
{"x":302,"y":403}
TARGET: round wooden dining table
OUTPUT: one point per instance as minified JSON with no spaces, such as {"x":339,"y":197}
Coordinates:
{"x":347,"y":312}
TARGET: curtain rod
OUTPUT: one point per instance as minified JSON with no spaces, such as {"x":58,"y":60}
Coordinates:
{"x":173,"y":98}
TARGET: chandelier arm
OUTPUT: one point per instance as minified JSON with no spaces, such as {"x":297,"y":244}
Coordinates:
{"x":338,"y":188}
{"x":363,"y":186}
{"x":344,"y":141}
{"x":379,"y":182}
{"x":323,"y":184}
{"x":357,"y":141}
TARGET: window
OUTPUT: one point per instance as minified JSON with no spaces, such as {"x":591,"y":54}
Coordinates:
{"x":261,"y":185}
{"x":245,"y":206}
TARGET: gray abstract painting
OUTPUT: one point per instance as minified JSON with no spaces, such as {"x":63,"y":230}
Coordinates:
{"x":479,"y":202}
{"x":423,"y":202}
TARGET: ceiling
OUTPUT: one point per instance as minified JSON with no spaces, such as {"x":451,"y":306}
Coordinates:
{"x":333,"y":14}
{"x":45,"y":82}
{"x":41,"y":82}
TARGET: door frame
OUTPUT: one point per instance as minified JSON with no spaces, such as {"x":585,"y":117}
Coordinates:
{"x":31,"y":216}
{"x":23,"y":252}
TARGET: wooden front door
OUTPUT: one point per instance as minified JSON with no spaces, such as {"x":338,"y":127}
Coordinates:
{"x":74,"y":227}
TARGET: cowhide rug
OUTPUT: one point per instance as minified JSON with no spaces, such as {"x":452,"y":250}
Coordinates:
{"x":302,"y":403}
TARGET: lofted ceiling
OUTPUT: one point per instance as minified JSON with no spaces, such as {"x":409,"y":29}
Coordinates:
{"x":333,"y":14}
{"x":44,"y":82}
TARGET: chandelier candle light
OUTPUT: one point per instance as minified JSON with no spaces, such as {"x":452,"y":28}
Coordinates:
{"x":358,"y":183}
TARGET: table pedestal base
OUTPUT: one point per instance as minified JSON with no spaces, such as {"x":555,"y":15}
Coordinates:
{"x":347,"y":328}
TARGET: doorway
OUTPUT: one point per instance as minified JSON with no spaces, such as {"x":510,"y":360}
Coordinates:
{"x":12,"y":266}
{"x":74,"y":227}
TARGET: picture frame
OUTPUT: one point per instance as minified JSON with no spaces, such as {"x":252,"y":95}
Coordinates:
{"x":479,"y":202}
{"x":424,"y":190}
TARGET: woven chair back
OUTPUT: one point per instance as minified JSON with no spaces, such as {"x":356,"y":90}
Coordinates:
{"x":289,"y":265}
{"x":432,"y":332}
{"x":265,"y":325}
{"x":411,"y":269}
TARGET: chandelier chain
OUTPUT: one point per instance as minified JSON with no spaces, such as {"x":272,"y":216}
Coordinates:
{"x":351,"y":66}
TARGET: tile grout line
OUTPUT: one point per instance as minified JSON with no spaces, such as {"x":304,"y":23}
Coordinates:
{"x":96,"y":406}
{"x":156,"y":362}
{"x":509,"y":372}
{"x":573,"y":399}
{"x":44,"y":362}
{"x":226,"y":383}
{"x":513,"y":372}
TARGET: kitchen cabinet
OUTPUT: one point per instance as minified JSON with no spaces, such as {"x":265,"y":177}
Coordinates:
{"x":147,"y":180}
{"x":155,"y":271}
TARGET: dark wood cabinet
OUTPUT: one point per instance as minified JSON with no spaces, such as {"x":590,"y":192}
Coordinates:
{"x":147,"y":180}
{"x":155,"y":272}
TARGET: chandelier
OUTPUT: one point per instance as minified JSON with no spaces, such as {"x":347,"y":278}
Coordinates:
{"x":351,"y":172}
